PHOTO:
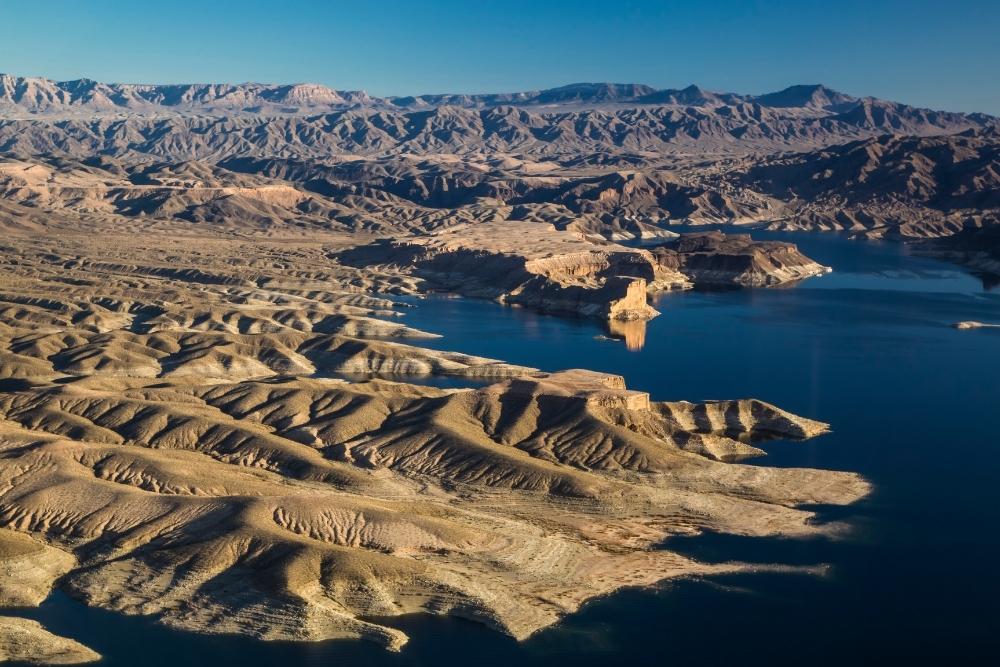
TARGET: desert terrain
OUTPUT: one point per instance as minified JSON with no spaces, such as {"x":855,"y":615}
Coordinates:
{"x":179,"y":443}
{"x":214,"y":413}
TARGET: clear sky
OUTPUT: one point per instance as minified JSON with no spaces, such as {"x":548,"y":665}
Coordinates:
{"x":943,"y":54}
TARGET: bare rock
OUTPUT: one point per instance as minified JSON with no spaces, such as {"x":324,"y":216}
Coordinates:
{"x":26,"y":641}
{"x":717,"y":259}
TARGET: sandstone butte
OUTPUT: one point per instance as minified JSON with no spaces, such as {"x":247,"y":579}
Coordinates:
{"x":531,"y":265}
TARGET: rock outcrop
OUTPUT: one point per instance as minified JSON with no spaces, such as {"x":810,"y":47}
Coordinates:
{"x":716,"y":259}
{"x":528,"y":265}
{"x":26,"y":642}
{"x":552,"y":272}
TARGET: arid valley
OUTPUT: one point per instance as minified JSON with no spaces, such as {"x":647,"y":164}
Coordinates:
{"x":222,"y":412}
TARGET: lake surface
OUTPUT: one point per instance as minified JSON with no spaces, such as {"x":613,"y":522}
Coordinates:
{"x":914,"y":406}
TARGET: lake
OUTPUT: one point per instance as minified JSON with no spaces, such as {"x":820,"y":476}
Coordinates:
{"x":869,"y":348}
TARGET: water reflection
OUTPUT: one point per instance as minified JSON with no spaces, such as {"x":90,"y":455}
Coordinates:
{"x":633,"y":332}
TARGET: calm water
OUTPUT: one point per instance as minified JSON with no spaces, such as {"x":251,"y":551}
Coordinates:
{"x":914,"y":406}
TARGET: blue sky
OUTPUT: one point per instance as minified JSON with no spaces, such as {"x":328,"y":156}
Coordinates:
{"x":937,"y":54}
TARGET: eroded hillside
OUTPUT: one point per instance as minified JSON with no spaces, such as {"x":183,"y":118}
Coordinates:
{"x":177,"y":432}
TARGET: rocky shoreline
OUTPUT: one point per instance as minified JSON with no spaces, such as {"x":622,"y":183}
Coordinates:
{"x":30,"y":568}
{"x":553,"y":272}
{"x":175,"y":446}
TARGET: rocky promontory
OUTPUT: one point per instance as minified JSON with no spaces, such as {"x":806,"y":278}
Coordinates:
{"x":28,"y":569}
{"x":530,"y":265}
{"x":715,"y":259}
{"x":559,"y":272}
{"x":25,"y":641}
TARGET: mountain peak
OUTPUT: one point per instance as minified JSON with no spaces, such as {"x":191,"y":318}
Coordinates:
{"x":816,"y":96}
{"x":595,"y":92}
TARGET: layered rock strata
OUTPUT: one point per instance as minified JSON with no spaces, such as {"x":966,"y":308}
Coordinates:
{"x":716,"y":259}
{"x":557,"y":273}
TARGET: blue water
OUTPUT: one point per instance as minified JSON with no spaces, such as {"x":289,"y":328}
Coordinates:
{"x":914,"y":406}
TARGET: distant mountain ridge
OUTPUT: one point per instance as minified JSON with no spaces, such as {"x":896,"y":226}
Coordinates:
{"x":37,"y":95}
{"x":612,"y":120}
{"x":605,"y":161}
{"x":815,"y":96}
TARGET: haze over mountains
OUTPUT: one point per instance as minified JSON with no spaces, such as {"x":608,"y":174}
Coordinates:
{"x":35,"y":94}
{"x":609,"y":160}
{"x":214,"y":121}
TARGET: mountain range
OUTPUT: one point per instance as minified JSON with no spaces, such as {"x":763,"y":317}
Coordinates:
{"x":215,"y":122}
{"x":603,"y":159}
{"x":40,"y":95}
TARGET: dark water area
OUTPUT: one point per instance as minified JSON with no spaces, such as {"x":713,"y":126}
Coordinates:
{"x":914,"y":406}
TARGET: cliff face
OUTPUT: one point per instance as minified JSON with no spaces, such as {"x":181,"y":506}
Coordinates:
{"x":529,"y":265}
{"x":612,"y":285}
{"x":552,"y":272}
{"x":615,"y":298}
{"x":581,"y":284}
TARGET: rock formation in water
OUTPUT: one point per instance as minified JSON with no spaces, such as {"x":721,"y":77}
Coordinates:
{"x":972,"y":324}
{"x":26,"y":642}
{"x":716,"y":259}
{"x":528,"y":265}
